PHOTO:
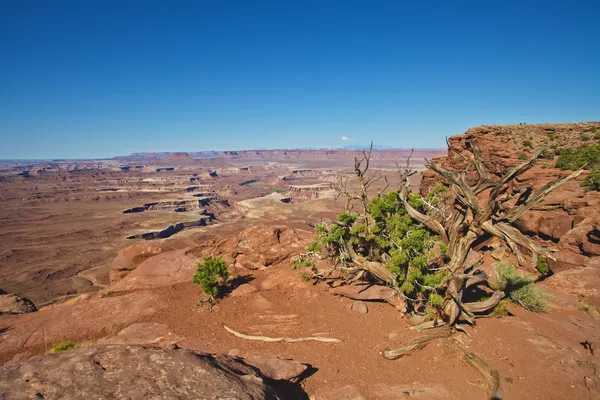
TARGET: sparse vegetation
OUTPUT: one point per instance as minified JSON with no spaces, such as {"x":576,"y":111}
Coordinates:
{"x":106,"y":293}
{"x":528,"y":143}
{"x":418,"y":245}
{"x":542,"y":265}
{"x":501,"y":309}
{"x":585,"y":156}
{"x":63,"y":345}
{"x":522,"y":156}
{"x":519,"y":287}
{"x":591,"y":310}
{"x":592,"y":181}
{"x":584,"y":138}
{"x":212,"y":276}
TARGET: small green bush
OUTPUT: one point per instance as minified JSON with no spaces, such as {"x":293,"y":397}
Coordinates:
{"x":584,"y":138}
{"x":63,"y":345}
{"x":212,"y":276}
{"x":501,"y":309}
{"x":597,"y":136}
{"x":592,"y":181}
{"x":593,"y":129}
{"x":522,"y":156}
{"x":528,"y":143}
{"x":542,"y":265}
{"x":519,"y":287}
{"x":315,"y":247}
{"x":531,"y":298}
{"x":435,"y":300}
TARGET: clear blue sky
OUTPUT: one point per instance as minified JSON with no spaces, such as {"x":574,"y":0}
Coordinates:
{"x":98,"y":78}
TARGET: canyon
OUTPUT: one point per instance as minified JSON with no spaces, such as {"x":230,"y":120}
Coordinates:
{"x":102,"y":253}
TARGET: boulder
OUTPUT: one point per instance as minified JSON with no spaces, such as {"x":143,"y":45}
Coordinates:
{"x":14,"y":304}
{"x":133,"y":372}
{"x":130,"y":257}
{"x":359,"y":307}
{"x":276,"y":368}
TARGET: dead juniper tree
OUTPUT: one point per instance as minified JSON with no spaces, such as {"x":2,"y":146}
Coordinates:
{"x":419,"y":245}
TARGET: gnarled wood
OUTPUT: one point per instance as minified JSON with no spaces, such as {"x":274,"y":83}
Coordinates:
{"x":376,"y":269}
{"x":417,"y":343}
{"x":483,"y":306}
{"x":490,"y":375}
{"x":281,"y":339}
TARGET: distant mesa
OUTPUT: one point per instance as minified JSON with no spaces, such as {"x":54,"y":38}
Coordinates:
{"x":178,"y":157}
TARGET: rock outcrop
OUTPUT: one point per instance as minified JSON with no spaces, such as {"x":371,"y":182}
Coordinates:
{"x":258,"y":246}
{"x":178,"y":157}
{"x":559,"y":219}
{"x":133,"y":372}
{"x":14,"y":304}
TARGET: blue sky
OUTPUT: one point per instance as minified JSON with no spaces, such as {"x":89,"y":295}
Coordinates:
{"x":98,"y":78}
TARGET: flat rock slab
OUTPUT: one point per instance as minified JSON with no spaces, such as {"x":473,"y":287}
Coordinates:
{"x":164,"y":269}
{"x":132,"y":372}
{"x":359,"y":306}
{"x":13,"y":304}
{"x":276,"y":368}
{"x":143,"y":333}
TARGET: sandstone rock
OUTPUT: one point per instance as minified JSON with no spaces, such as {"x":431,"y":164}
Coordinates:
{"x":143,"y":333}
{"x":364,"y":291}
{"x":132,"y":372}
{"x":244,"y":290}
{"x":358,"y":306}
{"x":13,"y":304}
{"x":275,"y":367}
{"x":581,"y":283}
{"x":130,"y":257}
{"x":164,"y":269}
{"x":79,"y":317}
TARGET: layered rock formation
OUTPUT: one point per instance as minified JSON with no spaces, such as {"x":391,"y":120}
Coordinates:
{"x":133,"y":372}
{"x":567,"y":219}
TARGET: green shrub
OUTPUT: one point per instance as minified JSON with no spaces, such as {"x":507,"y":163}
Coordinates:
{"x":435,"y":300}
{"x":315,"y":247}
{"x":505,"y":277}
{"x":584,"y":138}
{"x":528,"y":143}
{"x":597,"y":136}
{"x":593,"y":129}
{"x":547,"y":154}
{"x":542,"y":265}
{"x":347,"y":218}
{"x":585,"y":156}
{"x":519,"y":287}
{"x":212,"y":276}
{"x":501,"y":309}
{"x":522,"y":156}
{"x":63,"y":345}
{"x":531,"y":298}
{"x":592,"y":181}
